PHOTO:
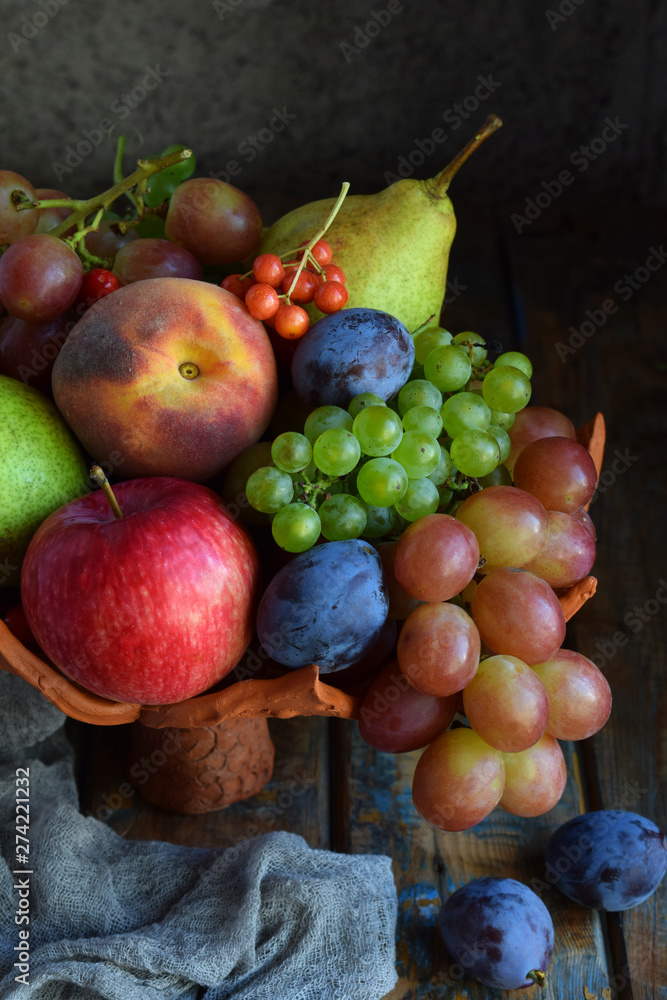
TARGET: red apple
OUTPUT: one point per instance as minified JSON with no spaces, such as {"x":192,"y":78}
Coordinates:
{"x":152,"y":607}
{"x":167,"y":377}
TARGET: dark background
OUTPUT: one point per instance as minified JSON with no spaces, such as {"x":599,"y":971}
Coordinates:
{"x":361,"y":99}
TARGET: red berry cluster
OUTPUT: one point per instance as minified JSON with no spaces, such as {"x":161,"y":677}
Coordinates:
{"x":320,"y":281}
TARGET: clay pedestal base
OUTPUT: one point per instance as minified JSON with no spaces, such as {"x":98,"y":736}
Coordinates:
{"x":203,"y":770}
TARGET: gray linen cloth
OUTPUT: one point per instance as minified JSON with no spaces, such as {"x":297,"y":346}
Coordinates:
{"x":269,"y":919}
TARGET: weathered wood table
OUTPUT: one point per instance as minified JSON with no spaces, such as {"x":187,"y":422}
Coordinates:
{"x":585,"y":295}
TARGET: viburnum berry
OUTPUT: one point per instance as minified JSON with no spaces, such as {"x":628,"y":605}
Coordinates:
{"x":291,"y":322}
{"x":332,"y":272}
{"x":304,"y":290}
{"x":330,"y":296}
{"x":268,"y":269}
{"x":262,"y":301}
{"x":322,"y":253}
{"x":237,"y":284}
{"x":95,"y":285}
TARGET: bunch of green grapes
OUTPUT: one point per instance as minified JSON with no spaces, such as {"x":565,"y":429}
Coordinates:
{"x":372,"y":469}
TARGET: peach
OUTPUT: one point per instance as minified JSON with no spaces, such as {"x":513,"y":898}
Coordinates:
{"x":168,"y":376}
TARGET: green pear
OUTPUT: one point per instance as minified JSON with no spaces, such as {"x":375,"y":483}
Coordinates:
{"x":41,"y":468}
{"x":393,"y":246}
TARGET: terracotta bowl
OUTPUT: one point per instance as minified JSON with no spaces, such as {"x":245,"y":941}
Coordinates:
{"x":238,"y":706}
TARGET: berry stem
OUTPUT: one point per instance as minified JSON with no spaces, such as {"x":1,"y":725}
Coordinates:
{"x":439,"y":184}
{"x":97,"y":475}
{"x":318,"y":236}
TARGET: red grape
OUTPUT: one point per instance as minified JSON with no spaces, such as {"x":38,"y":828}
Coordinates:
{"x":518,"y":613}
{"x":438,"y":649}
{"x":155,"y":258}
{"x":40,"y":277}
{"x":458,"y":781}
{"x":394,"y":718}
{"x":535,"y":779}
{"x":213,"y":220}
{"x":584,"y":517}
{"x":14,"y":224}
{"x":28,"y":350}
{"x":568,"y":553}
{"x":401,"y":604}
{"x":536,"y":422}
{"x":579,"y":695}
{"x":436,"y":557}
{"x":106,"y":241}
{"x":49,"y":218}
{"x":558,"y":471}
{"x":506,"y":704}
{"x":510,"y":525}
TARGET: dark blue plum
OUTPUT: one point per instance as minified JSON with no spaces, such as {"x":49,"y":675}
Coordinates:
{"x":352,"y":351}
{"x":328,"y":606}
{"x":608,"y":860}
{"x":499,"y":931}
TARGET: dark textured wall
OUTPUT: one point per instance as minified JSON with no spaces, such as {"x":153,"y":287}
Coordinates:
{"x":355,"y":102}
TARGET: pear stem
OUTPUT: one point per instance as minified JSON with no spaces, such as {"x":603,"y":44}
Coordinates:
{"x":97,"y":475}
{"x":318,"y":235}
{"x":442,"y":180}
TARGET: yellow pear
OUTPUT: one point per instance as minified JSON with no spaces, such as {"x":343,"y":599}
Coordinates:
{"x":393,"y":246}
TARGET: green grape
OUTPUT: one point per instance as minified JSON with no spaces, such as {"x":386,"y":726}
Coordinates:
{"x":463,"y":412}
{"x":435,"y":336}
{"x":503,"y":439}
{"x":162,"y":185}
{"x":464,"y":341}
{"x":342,"y":517}
{"x":445,"y":495}
{"x":382,"y":482}
{"x":500,"y":476}
{"x":291,"y":451}
{"x":324,"y":418}
{"x":418,"y":392}
{"x":268,"y":489}
{"x":363,"y":399}
{"x":296,"y":527}
{"x":336,"y":452}
{"x":476,"y":453}
{"x":443,"y":469}
{"x":151,"y":227}
{"x":423,"y":418}
{"x":448,"y":368}
{"x":379,"y":520}
{"x":420,"y":498}
{"x":418,"y":453}
{"x":516,"y":360}
{"x":506,"y":389}
{"x":378,"y":430}
{"x":500,"y":419}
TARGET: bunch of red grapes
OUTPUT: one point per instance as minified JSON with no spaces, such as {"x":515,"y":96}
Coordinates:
{"x":316,"y":280}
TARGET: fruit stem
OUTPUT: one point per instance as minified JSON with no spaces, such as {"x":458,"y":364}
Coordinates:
{"x":538,"y":977}
{"x":441,"y":181}
{"x":97,"y":475}
{"x":145,"y":169}
{"x":318,"y":236}
{"x":425,"y":325}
